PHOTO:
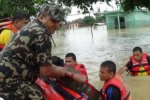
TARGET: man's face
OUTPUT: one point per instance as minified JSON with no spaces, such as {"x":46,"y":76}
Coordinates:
{"x":104,"y":74}
{"x":20,"y":23}
{"x":50,"y":24}
{"x":70,"y":61}
{"x":137,"y":55}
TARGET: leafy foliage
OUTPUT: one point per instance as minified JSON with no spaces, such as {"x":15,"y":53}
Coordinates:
{"x":88,"y":21}
{"x":99,"y":17}
{"x":10,"y":7}
{"x":129,"y":5}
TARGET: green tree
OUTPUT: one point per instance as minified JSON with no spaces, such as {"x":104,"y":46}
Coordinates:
{"x":88,"y":21}
{"x":9,"y":7}
{"x":99,"y":17}
{"x":128,"y":5}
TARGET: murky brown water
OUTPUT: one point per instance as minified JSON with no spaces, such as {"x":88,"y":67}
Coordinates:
{"x":106,"y":45}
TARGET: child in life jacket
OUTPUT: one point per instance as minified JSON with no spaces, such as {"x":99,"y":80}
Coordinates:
{"x":85,"y":89}
{"x":113,"y":88}
{"x":71,"y":61}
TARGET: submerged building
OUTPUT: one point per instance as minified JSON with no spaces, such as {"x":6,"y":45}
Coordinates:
{"x":132,"y":19}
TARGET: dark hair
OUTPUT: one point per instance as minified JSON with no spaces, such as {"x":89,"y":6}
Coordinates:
{"x":71,"y":55}
{"x":110,"y":65}
{"x":57,"y":61}
{"x":20,"y":16}
{"x":137,"y":49}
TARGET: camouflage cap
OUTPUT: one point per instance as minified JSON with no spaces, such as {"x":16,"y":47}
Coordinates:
{"x":53,"y":11}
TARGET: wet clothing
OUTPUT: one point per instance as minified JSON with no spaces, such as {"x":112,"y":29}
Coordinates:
{"x":20,"y":61}
{"x":115,"y":89}
{"x":142,"y":65}
{"x":113,"y":93}
{"x":20,"y":90}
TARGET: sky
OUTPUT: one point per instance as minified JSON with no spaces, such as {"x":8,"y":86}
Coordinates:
{"x":103,"y":6}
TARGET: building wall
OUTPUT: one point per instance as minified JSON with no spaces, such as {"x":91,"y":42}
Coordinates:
{"x":131,"y":20}
{"x":72,"y":26}
{"x":112,"y":20}
{"x":142,"y":19}
{"x":138,"y":19}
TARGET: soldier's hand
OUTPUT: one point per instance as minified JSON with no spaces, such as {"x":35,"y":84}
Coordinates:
{"x":54,"y":71}
{"x":80,"y":78}
{"x":77,"y":77}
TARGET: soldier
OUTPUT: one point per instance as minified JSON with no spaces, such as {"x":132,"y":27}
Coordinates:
{"x":28,"y":55}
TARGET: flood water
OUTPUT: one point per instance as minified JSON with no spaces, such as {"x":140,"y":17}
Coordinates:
{"x":106,"y":45}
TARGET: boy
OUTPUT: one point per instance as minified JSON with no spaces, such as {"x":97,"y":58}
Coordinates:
{"x":70,"y":59}
{"x":113,"y":88}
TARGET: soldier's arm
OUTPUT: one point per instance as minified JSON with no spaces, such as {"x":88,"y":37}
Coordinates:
{"x":42,"y":45}
{"x":53,"y":71}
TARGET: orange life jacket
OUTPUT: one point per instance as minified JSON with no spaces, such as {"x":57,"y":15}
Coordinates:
{"x":10,"y":26}
{"x":136,"y":65}
{"x":117,"y":81}
{"x":7,"y":25}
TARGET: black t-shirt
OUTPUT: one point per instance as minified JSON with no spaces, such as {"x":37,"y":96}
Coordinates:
{"x":129,"y":64}
{"x":113,"y":93}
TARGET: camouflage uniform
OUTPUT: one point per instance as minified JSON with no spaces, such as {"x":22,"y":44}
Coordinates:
{"x":21,"y":58}
{"x":20,"y":61}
